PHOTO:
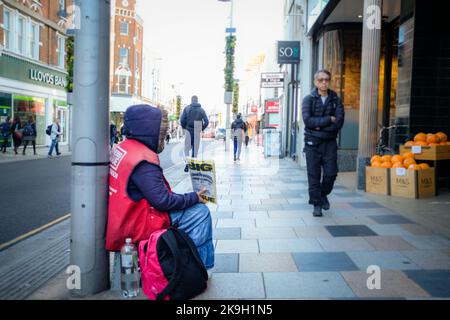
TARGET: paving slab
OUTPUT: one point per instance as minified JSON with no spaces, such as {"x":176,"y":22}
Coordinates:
{"x":289,"y":245}
{"x":268,"y":233}
{"x":237,"y":246}
{"x":345,"y":244}
{"x":323,"y":261}
{"x":266,"y":262}
{"x":386,"y":260}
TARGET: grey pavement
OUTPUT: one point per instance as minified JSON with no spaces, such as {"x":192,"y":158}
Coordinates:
{"x":277,"y":250}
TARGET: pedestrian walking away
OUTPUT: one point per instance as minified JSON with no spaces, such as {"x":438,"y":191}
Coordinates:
{"x":29,"y":135}
{"x":238,"y":128}
{"x":193,"y":120}
{"x":323,"y":115}
{"x":140,"y":198}
{"x":247,"y":137}
{"x":5,"y":132}
{"x":55,"y":132}
{"x":17,"y":133}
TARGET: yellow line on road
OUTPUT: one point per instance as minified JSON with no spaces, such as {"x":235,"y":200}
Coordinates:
{"x":33,"y":232}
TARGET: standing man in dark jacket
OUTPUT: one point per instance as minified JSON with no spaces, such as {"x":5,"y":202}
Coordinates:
{"x":193,"y":121}
{"x":238,"y":128}
{"x":323,"y":115}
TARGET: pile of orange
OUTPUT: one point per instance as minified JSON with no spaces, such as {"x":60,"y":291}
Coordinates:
{"x":430,"y":139}
{"x":406,"y":160}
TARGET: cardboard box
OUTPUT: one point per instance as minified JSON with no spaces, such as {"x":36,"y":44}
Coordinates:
{"x":428,"y":152}
{"x":377,"y":180}
{"x":413,"y":183}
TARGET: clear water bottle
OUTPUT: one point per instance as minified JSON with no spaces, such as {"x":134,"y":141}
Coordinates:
{"x":129,"y":270}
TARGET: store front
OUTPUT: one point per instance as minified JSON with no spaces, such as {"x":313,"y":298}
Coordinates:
{"x":28,"y":89}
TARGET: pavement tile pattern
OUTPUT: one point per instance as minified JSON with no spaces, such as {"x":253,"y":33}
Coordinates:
{"x":269,"y":246}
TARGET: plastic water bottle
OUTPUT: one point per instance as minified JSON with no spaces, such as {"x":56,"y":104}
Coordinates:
{"x":129,"y":270}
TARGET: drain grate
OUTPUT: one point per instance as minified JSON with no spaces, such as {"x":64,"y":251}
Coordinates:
{"x":25,"y":277}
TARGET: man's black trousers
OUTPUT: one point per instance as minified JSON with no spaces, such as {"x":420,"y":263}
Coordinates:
{"x":321,"y":164}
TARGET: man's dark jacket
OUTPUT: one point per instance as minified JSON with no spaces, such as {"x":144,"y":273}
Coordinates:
{"x":317,"y":116}
{"x":143,"y":123}
{"x":194,"y":112}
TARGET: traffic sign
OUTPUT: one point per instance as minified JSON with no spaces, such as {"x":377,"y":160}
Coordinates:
{"x":230,"y":30}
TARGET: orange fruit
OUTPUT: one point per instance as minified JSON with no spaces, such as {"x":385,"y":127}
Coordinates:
{"x":376,"y":164}
{"x":408,"y":155}
{"x":386,"y":158}
{"x":420,"y":137}
{"x":409,"y":161}
{"x":397,"y":165}
{"x":432,"y":138}
{"x":397,"y":158}
{"x":424,"y":166}
{"x":420,"y":143}
{"x":414,"y":167}
{"x":409,"y":143}
{"x":386,"y":164}
{"x":375,"y":158}
{"x":442,"y":136}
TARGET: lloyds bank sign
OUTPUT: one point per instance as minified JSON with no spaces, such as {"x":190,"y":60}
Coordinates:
{"x":47,"y":78}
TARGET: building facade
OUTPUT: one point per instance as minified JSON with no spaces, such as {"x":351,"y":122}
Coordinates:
{"x":127,"y":38}
{"x":392,"y":70}
{"x":33,"y":69}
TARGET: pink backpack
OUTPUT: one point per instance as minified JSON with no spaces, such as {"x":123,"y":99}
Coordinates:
{"x":171,"y":268}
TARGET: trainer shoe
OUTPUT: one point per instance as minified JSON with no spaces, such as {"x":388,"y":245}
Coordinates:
{"x":325,"y":203}
{"x":317,"y":211}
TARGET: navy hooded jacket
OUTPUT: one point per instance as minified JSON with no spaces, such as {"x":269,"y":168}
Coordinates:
{"x":142,"y":123}
{"x":192,"y":113}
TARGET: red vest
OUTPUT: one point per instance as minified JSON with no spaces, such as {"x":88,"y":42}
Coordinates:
{"x":128,"y":218}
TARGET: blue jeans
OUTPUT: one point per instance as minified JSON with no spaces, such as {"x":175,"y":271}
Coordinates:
{"x":197,"y":223}
{"x":55,"y":146}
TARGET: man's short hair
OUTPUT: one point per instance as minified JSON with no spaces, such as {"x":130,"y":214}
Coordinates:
{"x":316,"y":75}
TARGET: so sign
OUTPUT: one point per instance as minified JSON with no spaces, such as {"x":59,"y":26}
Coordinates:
{"x":288,"y":52}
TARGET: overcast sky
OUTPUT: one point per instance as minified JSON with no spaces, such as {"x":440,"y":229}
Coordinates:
{"x":190,"y":37}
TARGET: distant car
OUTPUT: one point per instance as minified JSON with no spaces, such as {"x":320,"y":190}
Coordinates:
{"x":221,"y":133}
{"x":208,"y":133}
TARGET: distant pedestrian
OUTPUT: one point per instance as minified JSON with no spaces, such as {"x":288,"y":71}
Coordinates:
{"x":247,"y":137}
{"x":5,"y":132}
{"x":112,"y":134}
{"x":54,"y":135}
{"x":17,"y":133}
{"x":193,"y":121}
{"x":238,"y":128}
{"x":323,"y":114}
{"x":29,"y":135}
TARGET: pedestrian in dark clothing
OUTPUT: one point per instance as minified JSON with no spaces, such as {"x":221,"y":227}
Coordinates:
{"x":112,"y":134}
{"x":193,"y":121}
{"x":29,"y":135}
{"x":17,"y":133}
{"x":239,"y":128}
{"x":323,"y":115}
{"x":5,"y":131}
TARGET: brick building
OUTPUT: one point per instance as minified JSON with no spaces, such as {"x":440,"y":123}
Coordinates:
{"x":33,"y":69}
{"x":127,"y":33}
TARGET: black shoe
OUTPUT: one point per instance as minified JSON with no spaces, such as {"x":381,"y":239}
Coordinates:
{"x":325,"y":203}
{"x":317,"y":211}
{"x":186,"y":169}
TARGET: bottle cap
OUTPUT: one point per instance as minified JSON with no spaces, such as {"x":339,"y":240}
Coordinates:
{"x":128,"y":240}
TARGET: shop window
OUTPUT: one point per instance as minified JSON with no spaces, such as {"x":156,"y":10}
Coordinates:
{"x":26,"y":107}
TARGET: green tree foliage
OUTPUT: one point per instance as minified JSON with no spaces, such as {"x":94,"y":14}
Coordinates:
{"x":235,"y":97}
{"x":229,"y":67}
{"x":70,"y":57}
{"x":178,"y":110}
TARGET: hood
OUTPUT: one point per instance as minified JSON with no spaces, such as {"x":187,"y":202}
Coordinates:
{"x":239,"y":120}
{"x":195,"y":105}
{"x":143,"y":123}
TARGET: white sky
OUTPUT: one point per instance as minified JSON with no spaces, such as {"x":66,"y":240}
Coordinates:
{"x":190,"y":37}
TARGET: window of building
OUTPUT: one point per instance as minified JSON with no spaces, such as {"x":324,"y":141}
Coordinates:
{"x":33,"y":41}
{"x":122,"y":83}
{"x":61,"y":5}
{"x":123,"y":56}
{"x":7,"y":28}
{"x":124,"y":28}
{"x":20,"y":32}
{"x":61,"y":52}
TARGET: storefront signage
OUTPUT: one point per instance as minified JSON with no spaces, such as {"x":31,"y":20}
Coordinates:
{"x":48,"y":78}
{"x":254,"y":109}
{"x":272,"y":80}
{"x":272,"y":106}
{"x":288,"y":52}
